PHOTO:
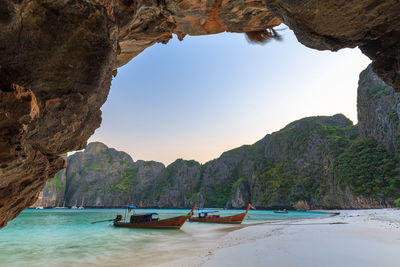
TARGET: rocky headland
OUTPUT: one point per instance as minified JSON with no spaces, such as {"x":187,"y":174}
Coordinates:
{"x":317,"y":162}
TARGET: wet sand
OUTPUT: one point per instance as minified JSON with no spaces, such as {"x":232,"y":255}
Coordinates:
{"x":353,"y":238}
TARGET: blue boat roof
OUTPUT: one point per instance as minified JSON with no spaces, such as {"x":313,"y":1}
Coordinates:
{"x":132,"y":207}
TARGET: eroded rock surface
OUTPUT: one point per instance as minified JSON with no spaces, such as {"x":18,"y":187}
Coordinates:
{"x":372,"y":25}
{"x":378,"y":111}
{"x":57,"y":59}
{"x":144,"y":23}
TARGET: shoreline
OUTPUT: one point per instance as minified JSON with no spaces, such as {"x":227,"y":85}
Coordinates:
{"x":156,"y":208}
{"x":352,"y":238}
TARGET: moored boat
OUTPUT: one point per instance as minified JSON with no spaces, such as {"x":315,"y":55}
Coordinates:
{"x":63,"y":206}
{"x":281,"y":211}
{"x":81,"y":206}
{"x":151,"y":220}
{"x":74,"y":207}
{"x":214,"y":217}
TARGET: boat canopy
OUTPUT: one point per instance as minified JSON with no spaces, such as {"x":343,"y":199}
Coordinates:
{"x":131,"y":207}
{"x":145,"y":214}
{"x":209,"y":211}
{"x":145,"y":217}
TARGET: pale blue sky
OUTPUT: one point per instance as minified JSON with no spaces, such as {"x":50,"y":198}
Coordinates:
{"x":207,"y":94}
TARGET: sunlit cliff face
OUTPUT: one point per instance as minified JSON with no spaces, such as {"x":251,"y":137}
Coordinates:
{"x":57,"y":59}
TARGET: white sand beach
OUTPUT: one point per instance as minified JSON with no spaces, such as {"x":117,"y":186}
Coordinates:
{"x":353,"y":238}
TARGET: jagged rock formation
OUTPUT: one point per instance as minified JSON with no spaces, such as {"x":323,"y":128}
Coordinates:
{"x":378,"y":111}
{"x":54,"y":191}
{"x":56,"y":61}
{"x":144,"y":23}
{"x":102,"y":176}
{"x":297,"y":164}
{"x":177,"y":185}
{"x":314,"y":161}
{"x":57,"y":57}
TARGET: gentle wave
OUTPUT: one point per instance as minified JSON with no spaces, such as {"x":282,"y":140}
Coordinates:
{"x":66,"y":237}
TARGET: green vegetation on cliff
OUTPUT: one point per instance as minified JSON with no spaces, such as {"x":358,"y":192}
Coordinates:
{"x":297,"y":169}
{"x":127,"y":181}
{"x":369,"y":169}
{"x":302,"y":162}
{"x":221,"y":193}
{"x":323,"y":161}
{"x":56,"y":184}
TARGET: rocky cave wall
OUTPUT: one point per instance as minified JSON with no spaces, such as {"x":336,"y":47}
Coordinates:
{"x":57,"y":59}
{"x":371,"y":25}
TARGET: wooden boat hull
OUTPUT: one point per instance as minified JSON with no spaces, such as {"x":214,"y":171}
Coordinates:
{"x":171,"y":223}
{"x":235,"y":219}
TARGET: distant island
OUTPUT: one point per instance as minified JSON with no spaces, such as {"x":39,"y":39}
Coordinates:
{"x":314,"y":163}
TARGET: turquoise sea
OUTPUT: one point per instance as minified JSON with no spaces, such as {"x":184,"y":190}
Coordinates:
{"x":66,"y":238}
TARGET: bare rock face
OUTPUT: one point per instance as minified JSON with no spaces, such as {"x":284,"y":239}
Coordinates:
{"x":24,"y":168}
{"x":57,"y":59}
{"x":143,"y":23}
{"x":55,"y":72}
{"x":372,"y":25}
{"x":378,"y":111}
{"x":177,"y":185}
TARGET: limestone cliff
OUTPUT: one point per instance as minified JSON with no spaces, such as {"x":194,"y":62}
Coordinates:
{"x":307,"y":161}
{"x":320,"y":162}
{"x":54,"y":191}
{"x":102,"y":176}
{"x":378,"y":111}
{"x":57,"y":59}
{"x":178,"y":184}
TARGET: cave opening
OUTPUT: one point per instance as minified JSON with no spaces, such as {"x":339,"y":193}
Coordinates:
{"x":199,"y":97}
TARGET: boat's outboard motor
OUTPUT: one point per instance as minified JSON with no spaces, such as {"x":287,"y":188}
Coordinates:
{"x":118,"y":218}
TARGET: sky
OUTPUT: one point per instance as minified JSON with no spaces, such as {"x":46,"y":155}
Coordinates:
{"x":205,"y":95}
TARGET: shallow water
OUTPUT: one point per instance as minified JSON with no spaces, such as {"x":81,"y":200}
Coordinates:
{"x":66,"y":238}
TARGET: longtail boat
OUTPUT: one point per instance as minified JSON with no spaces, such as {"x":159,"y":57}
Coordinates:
{"x":151,"y":220}
{"x":214,"y":217}
{"x":281,"y":211}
